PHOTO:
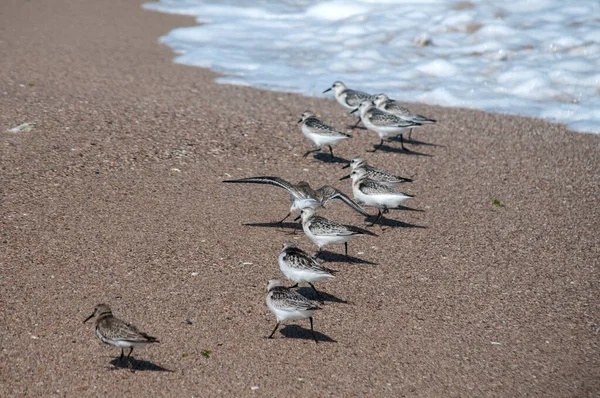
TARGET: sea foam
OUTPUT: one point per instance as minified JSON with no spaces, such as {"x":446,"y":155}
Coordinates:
{"x":537,"y":58}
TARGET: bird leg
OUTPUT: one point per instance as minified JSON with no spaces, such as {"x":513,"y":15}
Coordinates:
{"x":357,"y":123}
{"x":295,"y":231}
{"x":410,"y":133}
{"x":317,"y":254}
{"x":331,"y":151}
{"x":379,"y":214}
{"x":122,"y":355}
{"x":377,"y":147}
{"x":319,"y":297}
{"x":370,"y":224}
{"x":402,"y":144}
{"x":313,"y":330}
{"x":346,"y":248}
{"x":311,"y":151}
{"x":129,"y":365}
{"x":284,"y":218}
{"x":273,"y":332}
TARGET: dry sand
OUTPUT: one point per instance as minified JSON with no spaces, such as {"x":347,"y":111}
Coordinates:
{"x":117,"y":197}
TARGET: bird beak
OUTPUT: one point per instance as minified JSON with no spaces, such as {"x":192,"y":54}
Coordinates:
{"x":351,"y":112}
{"x":346,"y":166}
{"x":299,"y":121}
{"x":90,"y":317}
{"x":329,"y":89}
{"x":297,"y":218}
{"x":345,"y":177}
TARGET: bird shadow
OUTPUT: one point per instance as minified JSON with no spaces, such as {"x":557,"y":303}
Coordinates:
{"x":412,"y":141}
{"x":332,"y":257}
{"x":390,"y":222}
{"x":353,"y":127}
{"x":298,"y":332}
{"x":137,"y":364}
{"x":273,"y":224}
{"x":327,"y":158}
{"x":406,"y":208}
{"x":391,"y":149}
{"x":362,"y":230}
{"x":310,"y":294}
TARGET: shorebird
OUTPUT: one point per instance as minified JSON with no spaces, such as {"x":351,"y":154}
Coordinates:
{"x":300,"y":267}
{"x":386,"y":104}
{"x":319,"y":133}
{"x":383,"y":123}
{"x":118,"y":333}
{"x":376,"y":174}
{"x":349,"y":99}
{"x":375,"y":194}
{"x":326,"y":232}
{"x":288,"y":305}
{"x":302,"y":195}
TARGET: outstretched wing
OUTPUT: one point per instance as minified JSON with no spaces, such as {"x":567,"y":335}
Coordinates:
{"x":328,"y":192}
{"x":278,"y":182}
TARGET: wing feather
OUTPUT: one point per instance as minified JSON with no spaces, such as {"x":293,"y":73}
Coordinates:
{"x":330,"y":193}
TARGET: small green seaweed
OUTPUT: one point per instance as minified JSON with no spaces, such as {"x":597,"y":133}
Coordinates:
{"x":206,"y":353}
{"x":498,"y":203}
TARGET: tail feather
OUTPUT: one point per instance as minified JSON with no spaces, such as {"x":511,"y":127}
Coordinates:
{"x":423,"y":120}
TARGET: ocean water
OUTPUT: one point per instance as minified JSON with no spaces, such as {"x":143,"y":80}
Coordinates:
{"x":537,"y":58}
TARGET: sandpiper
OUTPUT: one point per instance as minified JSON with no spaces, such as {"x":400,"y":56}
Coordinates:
{"x":302,"y":195}
{"x":288,"y":305}
{"x":386,"y":104}
{"x":300,"y":267}
{"x":326,"y":232}
{"x":113,"y":331}
{"x":375,"y":194}
{"x":349,"y":99}
{"x":376,"y":174}
{"x":383,"y":123}
{"x":319,"y":133}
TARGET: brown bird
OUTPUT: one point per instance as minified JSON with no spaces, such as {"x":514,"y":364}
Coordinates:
{"x":113,"y":331}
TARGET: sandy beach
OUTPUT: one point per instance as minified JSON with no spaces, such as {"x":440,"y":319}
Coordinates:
{"x":116,"y":197}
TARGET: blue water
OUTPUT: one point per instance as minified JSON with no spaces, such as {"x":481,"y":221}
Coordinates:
{"x":537,"y":58}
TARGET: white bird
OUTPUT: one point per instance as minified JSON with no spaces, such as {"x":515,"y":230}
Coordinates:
{"x":375,"y":194}
{"x":319,"y":133}
{"x":383,"y":123}
{"x":300,"y":267}
{"x":287,"y":305}
{"x":386,"y":104}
